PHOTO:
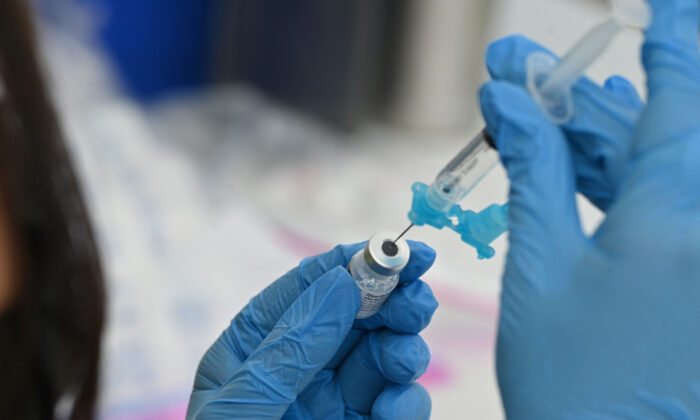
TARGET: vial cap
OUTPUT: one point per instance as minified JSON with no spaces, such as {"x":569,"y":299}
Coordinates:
{"x":385,"y":257}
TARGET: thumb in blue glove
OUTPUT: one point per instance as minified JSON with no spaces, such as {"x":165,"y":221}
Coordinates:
{"x":301,"y":343}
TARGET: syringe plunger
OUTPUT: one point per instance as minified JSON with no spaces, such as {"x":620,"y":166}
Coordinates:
{"x":550,"y":81}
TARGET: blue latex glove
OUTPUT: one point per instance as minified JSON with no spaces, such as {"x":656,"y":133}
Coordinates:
{"x":297,"y":352}
{"x":605,"y":327}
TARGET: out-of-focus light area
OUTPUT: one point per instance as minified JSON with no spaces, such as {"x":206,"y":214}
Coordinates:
{"x":221,"y":141}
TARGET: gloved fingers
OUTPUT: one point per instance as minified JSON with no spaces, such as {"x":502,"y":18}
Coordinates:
{"x":542,"y":210}
{"x":351,"y":340}
{"x":351,"y":415}
{"x":416,"y":302}
{"x":603,"y":125}
{"x":408,"y":310}
{"x":381,"y":357}
{"x":321,"y":399}
{"x":421,"y":259}
{"x":672,"y":61}
{"x":217,"y":364}
{"x":601,"y":135}
{"x":402,"y":401}
{"x":601,"y":154}
{"x":624,"y":90}
{"x":667,"y":149}
{"x":263,"y":311}
{"x":670,"y":51}
{"x":259,"y":316}
{"x":296,"y":411}
{"x":298,"y":347}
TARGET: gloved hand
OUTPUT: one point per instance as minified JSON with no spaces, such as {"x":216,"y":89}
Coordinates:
{"x":605,"y":327}
{"x":297,"y":352}
{"x":600,"y":133}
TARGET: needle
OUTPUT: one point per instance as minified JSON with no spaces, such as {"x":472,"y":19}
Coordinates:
{"x":404,"y":232}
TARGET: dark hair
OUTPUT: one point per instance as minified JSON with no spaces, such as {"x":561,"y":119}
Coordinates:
{"x":49,"y":351}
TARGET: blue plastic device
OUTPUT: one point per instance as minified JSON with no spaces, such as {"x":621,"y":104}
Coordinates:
{"x":475,"y":229}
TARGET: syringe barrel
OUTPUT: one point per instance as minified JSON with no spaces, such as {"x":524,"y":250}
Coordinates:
{"x":463,"y":172}
{"x":571,"y":67}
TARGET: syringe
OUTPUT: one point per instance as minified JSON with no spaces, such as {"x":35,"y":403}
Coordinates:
{"x":432,"y":204}
{"x":436,"y":204}
{"x":549,"y":83}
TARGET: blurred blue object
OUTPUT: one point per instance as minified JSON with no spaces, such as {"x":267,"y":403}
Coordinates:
{"x":604,"y":326}
{"x":482,"y":228}
{"x":157,"y":45}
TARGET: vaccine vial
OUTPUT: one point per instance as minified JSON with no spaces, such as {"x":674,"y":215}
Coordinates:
{"x":376,"y":270}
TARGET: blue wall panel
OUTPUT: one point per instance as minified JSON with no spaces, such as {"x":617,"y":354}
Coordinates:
{"x":158,"y":45}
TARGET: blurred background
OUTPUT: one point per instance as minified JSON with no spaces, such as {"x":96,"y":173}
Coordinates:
{"x":221,"y":141}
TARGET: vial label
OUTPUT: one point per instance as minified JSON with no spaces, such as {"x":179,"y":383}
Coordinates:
{"x":371,"y":303}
